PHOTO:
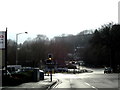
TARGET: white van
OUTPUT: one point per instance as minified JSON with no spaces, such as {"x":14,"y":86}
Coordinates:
{"x":13,"y":68}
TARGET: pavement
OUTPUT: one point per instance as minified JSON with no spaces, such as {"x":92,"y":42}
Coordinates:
{"x":45,"y":84}
{"x":0,"y":78}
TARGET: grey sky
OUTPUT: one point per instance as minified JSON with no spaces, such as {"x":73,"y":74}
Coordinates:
{"x":55,"y":17}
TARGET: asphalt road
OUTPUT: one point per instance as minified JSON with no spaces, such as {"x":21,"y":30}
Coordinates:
{"x":0,"y":78}
{"x":88,"y":81}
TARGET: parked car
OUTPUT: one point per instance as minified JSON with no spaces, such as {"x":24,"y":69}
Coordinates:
{"x":108,"y":70}
{"x":14,"y":68}
{"x":62,"y":69}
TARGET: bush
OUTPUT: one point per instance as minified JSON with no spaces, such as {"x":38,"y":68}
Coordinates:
{"x":24,"y":76}
{"x":17,"y":78}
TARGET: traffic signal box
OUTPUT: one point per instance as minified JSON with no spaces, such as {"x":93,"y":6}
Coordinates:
{"x":50,"y":56}
{"x":49,"y":64}
{"x":49,"y":60}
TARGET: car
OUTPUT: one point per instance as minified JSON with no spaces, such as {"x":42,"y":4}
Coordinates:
{"x":108,"y":70}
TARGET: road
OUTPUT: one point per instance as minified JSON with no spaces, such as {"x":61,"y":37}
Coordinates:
{"x":90,"y":81}
{"x":0,"y":78}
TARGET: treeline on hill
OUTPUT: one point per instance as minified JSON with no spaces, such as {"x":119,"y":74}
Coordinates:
{"x":104,"y":47}
{"x":98,"y":48}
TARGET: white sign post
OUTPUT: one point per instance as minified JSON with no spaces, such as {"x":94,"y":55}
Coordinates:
{"x":119,"y":12}
{"x":2,"y":48}
{"x":2,"y":40}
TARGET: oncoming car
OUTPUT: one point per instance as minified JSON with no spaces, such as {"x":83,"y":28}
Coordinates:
{"x":108,"y":70}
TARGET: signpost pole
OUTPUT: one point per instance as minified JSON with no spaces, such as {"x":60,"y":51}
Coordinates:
{"x":6,"y":51}
{"x":3,"y":49}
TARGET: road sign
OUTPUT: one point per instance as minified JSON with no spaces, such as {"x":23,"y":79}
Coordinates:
{"x":119,"y":12}
{"x":2,"y":39}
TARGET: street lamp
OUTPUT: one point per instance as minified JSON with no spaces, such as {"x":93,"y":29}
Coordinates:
{"x":17,"y":45}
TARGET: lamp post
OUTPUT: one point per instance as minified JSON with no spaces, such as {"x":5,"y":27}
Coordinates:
{"x":17,"y":45}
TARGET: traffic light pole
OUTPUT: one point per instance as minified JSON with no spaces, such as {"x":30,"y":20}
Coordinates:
{"x":50,"y":67}
{"x":50,"y":56}
{"x":51,"y":75}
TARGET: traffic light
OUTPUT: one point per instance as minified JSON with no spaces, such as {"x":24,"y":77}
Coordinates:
{"x":50,"y":56}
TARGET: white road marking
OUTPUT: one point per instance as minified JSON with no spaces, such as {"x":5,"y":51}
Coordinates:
{"x":91,"y":86}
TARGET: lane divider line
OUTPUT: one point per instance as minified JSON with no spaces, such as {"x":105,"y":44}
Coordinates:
{"x":91,"y":86}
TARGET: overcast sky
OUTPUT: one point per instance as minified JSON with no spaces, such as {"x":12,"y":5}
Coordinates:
{"x":55,"y":17}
